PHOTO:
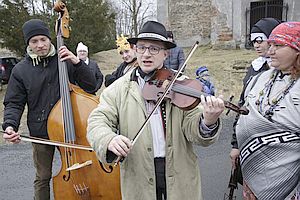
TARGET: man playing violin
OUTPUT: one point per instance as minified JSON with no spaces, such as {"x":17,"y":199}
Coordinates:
{"x":162,"y":163}
{"x":34,"y":81}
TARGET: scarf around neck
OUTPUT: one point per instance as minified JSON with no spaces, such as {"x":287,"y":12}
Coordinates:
{"x":259,"y":62}
{"x":36,"y":60}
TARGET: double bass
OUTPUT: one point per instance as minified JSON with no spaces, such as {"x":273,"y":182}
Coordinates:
{"x":82,"y":176}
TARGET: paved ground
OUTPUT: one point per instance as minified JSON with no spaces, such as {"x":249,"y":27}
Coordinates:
{"x":215,"y":165}
{"x":17,"y":171}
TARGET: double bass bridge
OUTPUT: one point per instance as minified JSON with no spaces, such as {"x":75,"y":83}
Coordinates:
{"x":79,"y":165}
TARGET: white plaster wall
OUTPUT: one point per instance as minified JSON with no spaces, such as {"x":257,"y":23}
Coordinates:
{"x":163,"y":12}
{"x":293,"y":10}
{"x":225,"y":8}
{"x":238,"y":18}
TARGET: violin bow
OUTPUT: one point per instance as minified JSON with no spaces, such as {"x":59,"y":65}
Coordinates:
{"x":160,"y":100}
{"x":50,"y":142}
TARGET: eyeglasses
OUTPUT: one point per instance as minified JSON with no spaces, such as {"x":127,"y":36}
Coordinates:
{"x":257,"y":40}
{"x":153,"y":50}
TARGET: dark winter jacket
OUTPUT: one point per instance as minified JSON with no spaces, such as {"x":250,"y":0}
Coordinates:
{"x":249,"y":75}
{"x":38,"y":87}
{"x":175,"y":58}
{"x":98,"y":75}
{"x":110,"y":78}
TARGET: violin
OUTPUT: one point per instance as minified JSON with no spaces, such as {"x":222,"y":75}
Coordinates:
{"x":184,"y":93}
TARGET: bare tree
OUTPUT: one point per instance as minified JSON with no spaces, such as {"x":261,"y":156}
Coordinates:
{"x":132,"y":14}
{"x":32,"y":6}
{"x":37,"y":7}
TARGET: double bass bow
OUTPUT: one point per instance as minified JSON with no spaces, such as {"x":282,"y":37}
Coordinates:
{"x":81,"y":175}
{"x":37,"y":140}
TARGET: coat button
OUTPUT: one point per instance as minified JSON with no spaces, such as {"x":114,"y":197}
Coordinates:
{"x":151,"y":180}
{"x":149,"y":149}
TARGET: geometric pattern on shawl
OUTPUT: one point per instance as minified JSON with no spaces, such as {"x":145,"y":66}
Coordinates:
{"x":256,"y":143}
{"x":260,"y":165}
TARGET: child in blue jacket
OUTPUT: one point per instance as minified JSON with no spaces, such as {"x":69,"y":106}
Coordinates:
{"x":204,"y":77}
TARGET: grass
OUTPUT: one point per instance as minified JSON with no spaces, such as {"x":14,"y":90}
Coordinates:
{"x":227,"y":68}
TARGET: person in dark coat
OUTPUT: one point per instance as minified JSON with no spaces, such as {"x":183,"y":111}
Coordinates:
{"x":35,"y":82}
{"x":176,"y":55}
{"x":82,"y":53}
{"x":259,"y":35}
{"x":126,"y":51}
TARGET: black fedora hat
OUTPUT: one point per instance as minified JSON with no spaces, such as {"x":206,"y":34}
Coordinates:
{"x":153,"y":30}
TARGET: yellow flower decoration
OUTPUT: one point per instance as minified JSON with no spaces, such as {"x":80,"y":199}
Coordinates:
{"x":122,"y":43}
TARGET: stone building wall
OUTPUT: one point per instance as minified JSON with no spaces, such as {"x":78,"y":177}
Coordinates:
{"x":202,"y":20}
{"x":190,"y":21}
{"x":222,"y":23}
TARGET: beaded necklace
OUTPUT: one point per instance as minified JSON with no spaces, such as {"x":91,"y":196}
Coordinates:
{"x":265,"y":93}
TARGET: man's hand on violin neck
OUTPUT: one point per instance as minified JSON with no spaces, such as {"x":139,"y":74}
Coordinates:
{"x":120,"y":145}
{"x":213,"y":108}
{"x":11,"y":136}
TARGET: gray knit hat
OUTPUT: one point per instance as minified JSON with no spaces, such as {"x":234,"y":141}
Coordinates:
{"x":33,"y":28}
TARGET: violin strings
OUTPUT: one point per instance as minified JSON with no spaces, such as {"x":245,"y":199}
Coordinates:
{"x":187,"y":91}
{"x":195,"y":93}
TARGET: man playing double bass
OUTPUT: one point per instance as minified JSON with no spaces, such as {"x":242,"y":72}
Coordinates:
{"x":35,"y":81}
{"x":162,"y":163}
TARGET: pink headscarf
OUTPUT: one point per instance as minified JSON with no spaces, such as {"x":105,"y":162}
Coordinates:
{"x":287,"y":33}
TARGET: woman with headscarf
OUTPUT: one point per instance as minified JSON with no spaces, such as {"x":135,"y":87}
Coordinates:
{"x":269,"y":137}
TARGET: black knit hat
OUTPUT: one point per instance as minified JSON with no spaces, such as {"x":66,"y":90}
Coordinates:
{"x":33,"y":28}
{"x":265,"y":25}
{"x":153,"y":30}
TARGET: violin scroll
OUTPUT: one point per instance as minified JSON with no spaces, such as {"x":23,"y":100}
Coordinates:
{"x":243,"y":111}
{"x":240,"y":110}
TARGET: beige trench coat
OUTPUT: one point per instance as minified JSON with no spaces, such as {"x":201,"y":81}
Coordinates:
{"x":122,"y":108}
